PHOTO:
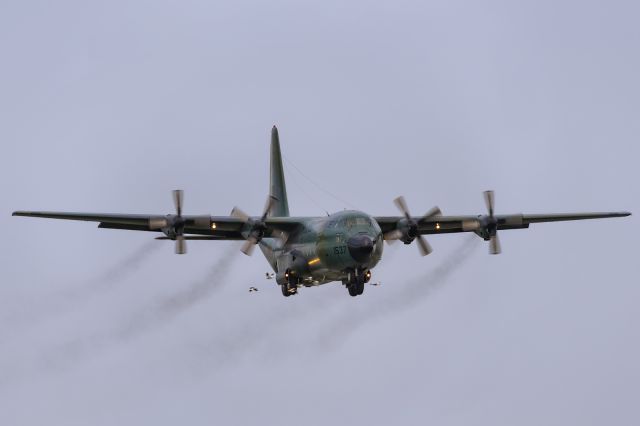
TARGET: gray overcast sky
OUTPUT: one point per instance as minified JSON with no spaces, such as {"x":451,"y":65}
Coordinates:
{"x":107,"y":106}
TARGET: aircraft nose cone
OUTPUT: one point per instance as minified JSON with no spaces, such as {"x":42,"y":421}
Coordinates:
{"x":360,"y":247}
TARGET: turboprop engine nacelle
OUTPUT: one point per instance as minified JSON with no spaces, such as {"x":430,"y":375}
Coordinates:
{"x":290,"y":266}
{"x":407,"y":231}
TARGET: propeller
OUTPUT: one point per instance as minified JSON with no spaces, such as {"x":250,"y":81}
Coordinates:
{"x":258,"y":227}
{"x":409,"y":229}
{"x":486,"y":226}
{"x":494,"y":242}
{"x":173,"y":225}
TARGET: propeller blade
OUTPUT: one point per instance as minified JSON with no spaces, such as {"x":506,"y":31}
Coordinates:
{"x":271,"y":200}
{"x":178,"y":197}
{"x":423,"y":245}
{"x":433,"y":211}
{"x":181,"y":245}
{"x":401,"y":203}
{"x":494,"y":245}
{"x":248,"y":246}
{"x":239,"y":214}
{"x":489,"y":200}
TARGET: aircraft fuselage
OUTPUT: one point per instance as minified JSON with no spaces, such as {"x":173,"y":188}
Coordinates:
{"x":327,"y":249}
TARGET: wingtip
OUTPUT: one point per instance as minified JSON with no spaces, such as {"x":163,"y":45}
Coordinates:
{"x":620,"y":214}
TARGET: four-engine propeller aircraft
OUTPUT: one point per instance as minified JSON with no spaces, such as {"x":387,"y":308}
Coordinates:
{"x":308,"y":251}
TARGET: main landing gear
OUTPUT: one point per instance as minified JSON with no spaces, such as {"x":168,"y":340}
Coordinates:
{"x":290,"y":286}
{"x":356,"y":279}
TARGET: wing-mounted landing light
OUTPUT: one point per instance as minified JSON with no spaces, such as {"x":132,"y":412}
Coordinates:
{"x":407,"y":228}
{"x":256,"y":227}
{"x":172,"y":225}
{"x":486,"y":226}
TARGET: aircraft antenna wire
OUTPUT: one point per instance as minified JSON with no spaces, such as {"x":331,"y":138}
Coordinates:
{"x":306,"y":193}
{"x":317,"y":185}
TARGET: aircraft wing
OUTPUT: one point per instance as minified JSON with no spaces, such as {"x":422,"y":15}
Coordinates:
{"x":449,"y":224}
{"x":212,"y":227}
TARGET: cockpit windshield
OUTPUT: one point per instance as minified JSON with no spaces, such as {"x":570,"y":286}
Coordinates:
{"x":348,"y":222}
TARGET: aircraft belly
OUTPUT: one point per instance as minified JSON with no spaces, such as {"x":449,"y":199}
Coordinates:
{"x":324,"y":275}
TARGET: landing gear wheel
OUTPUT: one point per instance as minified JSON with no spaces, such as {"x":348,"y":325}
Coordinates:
{"x":285,"y":290}
{"x":290,"y":287}
{"x":356,"y":288}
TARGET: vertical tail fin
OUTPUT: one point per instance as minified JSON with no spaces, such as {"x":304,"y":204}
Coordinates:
{"x":277,"y":187}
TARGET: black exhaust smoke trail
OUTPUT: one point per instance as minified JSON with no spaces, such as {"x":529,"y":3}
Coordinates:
{"x":115,"y":274}
{"x":410,"y":294}
{"x":61,"y":302}
{"x":131,"y":264}
{"x":165,"y":309}
{"x":246,"y":337}
{"x":171,"y":306}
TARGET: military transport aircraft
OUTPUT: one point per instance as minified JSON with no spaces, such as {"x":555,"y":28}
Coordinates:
{"x":309,"y":251}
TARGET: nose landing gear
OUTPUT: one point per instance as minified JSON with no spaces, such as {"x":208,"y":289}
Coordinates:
{"x":356,"y":279}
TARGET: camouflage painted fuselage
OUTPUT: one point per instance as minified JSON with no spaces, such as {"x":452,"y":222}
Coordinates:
{"x":326,"y":249}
